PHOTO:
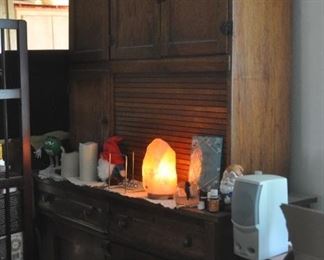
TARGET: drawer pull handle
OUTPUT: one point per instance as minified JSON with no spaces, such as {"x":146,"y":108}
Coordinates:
{"x":107,"y":250}
{"x":48,"y":198}
{"x":122,"y":222}
{"x":87,"y":212}
{"x":187,"y":242}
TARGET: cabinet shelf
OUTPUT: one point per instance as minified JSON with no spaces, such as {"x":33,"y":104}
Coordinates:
{"x":15,"y":181}
{"x":9,"y":93}
{"x":9,"y":24}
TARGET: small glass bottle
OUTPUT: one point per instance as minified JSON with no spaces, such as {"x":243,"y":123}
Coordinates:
{"x":213,"y":201}
{"x":2,"y":162}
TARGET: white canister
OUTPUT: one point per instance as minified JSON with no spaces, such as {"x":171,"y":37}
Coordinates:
{"x":70,"y":164}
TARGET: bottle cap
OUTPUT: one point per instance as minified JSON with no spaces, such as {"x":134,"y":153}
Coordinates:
{"x":257,"y":172}
{"x":213,"y":193}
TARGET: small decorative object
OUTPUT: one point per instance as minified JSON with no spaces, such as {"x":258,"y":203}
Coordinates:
{"x":205,"y":161}
{"x":111,"y":163}
{"x":40,"y":159}
{"x":227,"y":183}
{"x":159,"y":170}
{"x":2,"y":162}
{"x":201,"y":205}
{"x":213,"y":201}
{"x":186,"y":195}
{"x":53,"y":148}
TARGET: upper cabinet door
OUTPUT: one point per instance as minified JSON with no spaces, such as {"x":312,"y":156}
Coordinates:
{"x":135,"y":29}
{"x":192,"y":27}
{"x":89,"y":30}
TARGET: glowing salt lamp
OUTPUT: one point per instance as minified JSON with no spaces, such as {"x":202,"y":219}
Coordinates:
{"x":159,"y":170}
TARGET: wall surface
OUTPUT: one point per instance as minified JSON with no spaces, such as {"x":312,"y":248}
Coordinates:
{"x":3,"y":9}
{"x":307,"y":168}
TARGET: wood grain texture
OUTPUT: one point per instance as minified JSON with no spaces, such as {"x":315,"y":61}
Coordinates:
{"x":89,"y":112}
{"x":203,"y":36}
{"x":261,"y":61}
{"x":135,"y":29}
{"x":152,"y":28}
{"x":168,"y":65}
{"x":129,"y":228}
{"x":89,"y":30}
{"x":172,"y":107}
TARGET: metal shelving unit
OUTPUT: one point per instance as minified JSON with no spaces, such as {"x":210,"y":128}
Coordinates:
{"x":9,"y":179}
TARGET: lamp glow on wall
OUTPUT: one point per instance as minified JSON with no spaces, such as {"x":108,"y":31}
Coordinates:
{"x":159,"y":170}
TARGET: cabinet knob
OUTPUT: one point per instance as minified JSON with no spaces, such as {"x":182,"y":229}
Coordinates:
{"x":87,"y":212}
{"x":107,"y":250}
{"x":48,"y":198}
{"x":227,"y":28}
{"x":122,"y":222}
{"x":187,"y":242}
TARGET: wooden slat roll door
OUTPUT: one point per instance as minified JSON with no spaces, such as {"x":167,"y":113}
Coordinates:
{"x":173,"y":107}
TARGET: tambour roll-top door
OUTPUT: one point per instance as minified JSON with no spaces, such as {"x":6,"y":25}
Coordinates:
{"x":172,"y":107}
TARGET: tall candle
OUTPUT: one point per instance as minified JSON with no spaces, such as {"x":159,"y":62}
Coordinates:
{"x":88,"y":155}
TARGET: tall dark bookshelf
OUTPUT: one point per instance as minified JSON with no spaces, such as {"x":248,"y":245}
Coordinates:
{"x":16,"y":176}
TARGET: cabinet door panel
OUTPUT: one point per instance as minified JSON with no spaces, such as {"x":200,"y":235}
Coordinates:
{"x":135,"y":29}
{"x":89,"y":30}
{"x":191,"y":27}
{"x":78,"y":245}
{"x":59,"y":240}
{"x":88,"y":105}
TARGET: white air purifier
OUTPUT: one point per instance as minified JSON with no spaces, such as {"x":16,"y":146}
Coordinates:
{"x":259,"y":225}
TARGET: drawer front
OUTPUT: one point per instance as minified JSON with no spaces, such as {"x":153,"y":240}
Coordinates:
{"x":88,"y":214}
{"x":165,"y":236}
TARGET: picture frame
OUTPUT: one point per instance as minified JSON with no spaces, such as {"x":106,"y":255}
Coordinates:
{"x":205,"y":161}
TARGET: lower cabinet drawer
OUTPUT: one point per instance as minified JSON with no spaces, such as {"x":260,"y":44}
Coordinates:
{"x":58,"y":240}
{"x":119,"y":252}
{"x":92,"y":216}
{"x":162,"y":235}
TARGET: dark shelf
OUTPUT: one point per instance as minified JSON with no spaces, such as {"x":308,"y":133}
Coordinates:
{"x":9,"y":24}
{"x":12,"y":219}
{"x":9,"y":94}
{"x":15,"y":181}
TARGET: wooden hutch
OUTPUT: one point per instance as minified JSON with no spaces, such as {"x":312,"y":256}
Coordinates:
{"x":171,"y":69}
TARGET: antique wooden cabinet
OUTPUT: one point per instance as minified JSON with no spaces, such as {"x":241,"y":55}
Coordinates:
{"x":178,"y":68}
{"x":76,"y":222}
{"x":88,"y":223}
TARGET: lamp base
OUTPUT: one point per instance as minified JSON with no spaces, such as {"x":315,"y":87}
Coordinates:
{"x":159,"y":196}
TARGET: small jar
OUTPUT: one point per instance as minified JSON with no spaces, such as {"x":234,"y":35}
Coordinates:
{"x":213,"y":201}
{"x":201,"y":205}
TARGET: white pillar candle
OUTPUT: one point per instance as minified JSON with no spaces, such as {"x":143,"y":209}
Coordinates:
{"x":70,"y":164}
{"x":88,"y":156}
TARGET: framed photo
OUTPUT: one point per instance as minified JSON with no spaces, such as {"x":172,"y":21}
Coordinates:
{"x":205,"y":161}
